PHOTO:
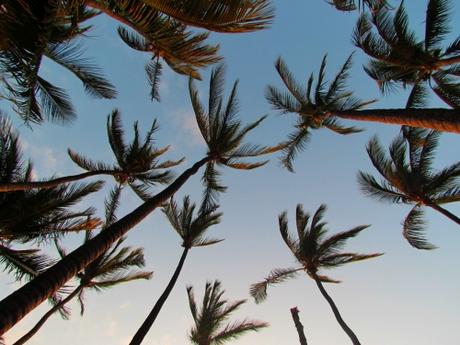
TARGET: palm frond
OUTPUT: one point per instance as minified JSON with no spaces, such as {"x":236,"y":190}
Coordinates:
{"x":413,"y":230}
{"x":153,"y":70}
{"x":297,"y":142}
{"x":436,"y":23}
{"x":259,"y":290}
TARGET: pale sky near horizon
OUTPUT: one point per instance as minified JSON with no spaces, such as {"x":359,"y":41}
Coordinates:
{"x":404,"y":297}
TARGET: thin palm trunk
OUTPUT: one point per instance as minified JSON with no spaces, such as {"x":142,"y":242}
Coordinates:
{"x":45,"y":317}
{"x":18,"y":304}
{"x":337,"y":315}
{"x":298,"y":326}
{"x":443,"y":211}
{"x":148,"y":322}
{"x":17,"y":186}
{"x":440,"y":119}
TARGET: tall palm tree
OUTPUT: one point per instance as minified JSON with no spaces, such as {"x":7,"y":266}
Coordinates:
{"x":224,"y":135}
{"x":33,"y":31}
{"x":227,"y":151}
{"x":137,"y":163}
{"x":113,"y":267}
{"x":313,"y":251}
{"x":192,"y":230}
{"x":399,"y":58}
{"x":324,"y":104}
{"x":210,"y":327}
{"x":408,"y":178}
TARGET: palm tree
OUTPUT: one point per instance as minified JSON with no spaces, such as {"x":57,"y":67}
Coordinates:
{"x":192,"y":231}
{"x":399,"y":58}
{"x":109,"y":269}
{"x":209,"y":326}
{"x":313,"y":251}
{"x":32,"y":31}
{"x":412,"y":180}
{"x":223,"y":135}
{"x":227,"y":151}
{"x":324,"y":104}
{"x":137,"y":162}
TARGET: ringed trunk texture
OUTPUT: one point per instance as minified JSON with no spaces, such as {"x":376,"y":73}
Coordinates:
{"x":18,"y":304}
{"x":298,"y":326}
{"x":17,"y":186}
{"x":440,"y":119}
{"x":45,"y":317}
{"x":337,"y":315}
{"x":448,"y":214}
{"x":148,"y":322}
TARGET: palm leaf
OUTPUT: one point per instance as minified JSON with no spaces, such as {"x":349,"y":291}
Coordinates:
{"x":413,"y":230}
{"x":259,"y":290}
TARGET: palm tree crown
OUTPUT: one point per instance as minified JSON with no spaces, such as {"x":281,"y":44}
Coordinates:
{"x":224,"y":134}
{"x":138,"y":162}
{"x":408,"y":178}
{"x":315,"y":106}
{"x":313,"y":250}
{"x":398,"y":57}
{"x":210,"y":327}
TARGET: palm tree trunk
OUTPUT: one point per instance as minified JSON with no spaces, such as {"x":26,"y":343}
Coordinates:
{"x":18,"y":304}
{"x":148,"y":322}
{"x":17,"y":186}
{"x":45,"y":317}
{"x":440,"y":119}
{"x":337,"y":315}
{"x":298,"y":326}
{"x":449,"y":215}
{"x":448,"y":61}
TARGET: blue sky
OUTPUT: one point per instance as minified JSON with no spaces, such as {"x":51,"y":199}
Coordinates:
{"x":406,"y":296}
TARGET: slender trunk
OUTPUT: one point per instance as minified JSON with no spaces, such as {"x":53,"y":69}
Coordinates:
{"x":17,"y":186}
{"x":148,"y":322}
{"x":337,"y":315}
{"x":45,"y":317}
{"x":440,"y":119}
{"x":18,"y":304}
{"x":449,"y":215}
{"x":298,"y":326}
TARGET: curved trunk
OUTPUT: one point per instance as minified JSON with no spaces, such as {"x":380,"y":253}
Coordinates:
{"x":148,"y":322}
{"x":45,"y":317}
{"x":17,"y":186}
{"x":440,"y":119}
{"x":298,"y":326}
{"x":18,"y":304}
{"x":337,"y":315}
{"x":443,"y":211}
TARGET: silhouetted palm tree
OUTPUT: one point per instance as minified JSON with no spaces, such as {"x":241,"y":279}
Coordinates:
{"x":399,"y":58}
{"x":209,"y":326}
{"x":313,"y":251}
{"x":324,"y":104}
{"x":192,"y":231}
{"x":137,"y":163}
{"x":408,"y":178}
{"x":224,"y":135}
{"x":110,"y":269}
{"x":227,"y":151}
{"x":33,"y":31}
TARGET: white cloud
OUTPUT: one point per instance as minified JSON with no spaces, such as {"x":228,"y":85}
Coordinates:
{"x":185,"y":120}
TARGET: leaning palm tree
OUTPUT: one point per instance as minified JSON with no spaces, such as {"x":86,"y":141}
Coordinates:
{"x":399,"y":58}
{"x":137,"y":163}
{"x":227,"y":150}
{"x":322,"y":106}
{"x":192,"y":230}
{"x":408,"y":178}
{"x":313,"y":251}
{"x":113,"y":267}
{"x":223,"y":135}
{"x":209,"y":326}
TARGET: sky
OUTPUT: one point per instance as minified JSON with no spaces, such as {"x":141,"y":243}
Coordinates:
{"x":406,"y":296}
